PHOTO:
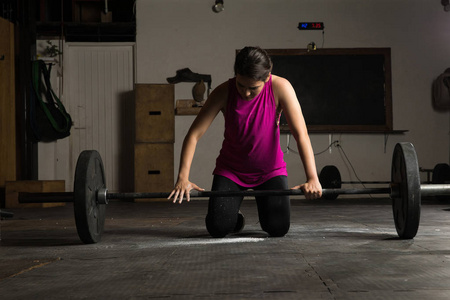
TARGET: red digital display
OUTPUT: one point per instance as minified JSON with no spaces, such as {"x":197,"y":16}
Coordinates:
{"x":311,"y":26}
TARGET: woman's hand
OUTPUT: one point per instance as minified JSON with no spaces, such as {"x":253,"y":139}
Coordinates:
{"x":182,"y":189}
{"x":312,"y":189}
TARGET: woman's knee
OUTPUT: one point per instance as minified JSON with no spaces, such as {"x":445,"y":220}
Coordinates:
{"x":276,"y":228}
{"x":219,"y":227}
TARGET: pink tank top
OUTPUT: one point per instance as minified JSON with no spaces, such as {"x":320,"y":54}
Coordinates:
{"x":251,"y":152}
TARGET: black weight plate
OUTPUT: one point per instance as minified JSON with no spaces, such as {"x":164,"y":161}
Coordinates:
{"x":89,"y":214}
{"x":330,"y":178}
{"x":441,"y":174}
{"x":406,"y":178}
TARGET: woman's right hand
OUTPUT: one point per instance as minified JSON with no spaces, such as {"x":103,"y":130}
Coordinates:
{"x":182,"y":189}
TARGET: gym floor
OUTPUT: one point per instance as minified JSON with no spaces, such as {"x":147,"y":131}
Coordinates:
{"x":341,"y":249}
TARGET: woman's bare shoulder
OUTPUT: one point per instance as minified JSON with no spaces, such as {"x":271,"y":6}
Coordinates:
{"x":280,"y":82}
{"x":282,"y":89}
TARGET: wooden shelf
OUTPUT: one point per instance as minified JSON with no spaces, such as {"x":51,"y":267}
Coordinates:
{"x":186,"y":107}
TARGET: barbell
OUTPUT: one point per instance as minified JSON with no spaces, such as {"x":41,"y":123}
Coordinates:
{"x":90,"y":194}
{"x":330,"y":178}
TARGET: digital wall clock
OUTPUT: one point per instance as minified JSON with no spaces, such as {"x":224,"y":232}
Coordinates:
{"x":311,"y":26}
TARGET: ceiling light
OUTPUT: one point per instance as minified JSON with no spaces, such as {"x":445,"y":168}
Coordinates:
{"x":218,"y":6}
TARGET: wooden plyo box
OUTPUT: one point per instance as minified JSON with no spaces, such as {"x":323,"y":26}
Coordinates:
{"x":13,"y":188}
{"x":7,"y":104}
{"x":153,"y":168}
{"x":155,"y":113}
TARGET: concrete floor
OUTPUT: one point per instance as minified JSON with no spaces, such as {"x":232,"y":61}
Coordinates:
{"x":342,"y":249}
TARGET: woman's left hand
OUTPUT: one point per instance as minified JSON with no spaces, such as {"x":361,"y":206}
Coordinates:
{"x":312,"y":189}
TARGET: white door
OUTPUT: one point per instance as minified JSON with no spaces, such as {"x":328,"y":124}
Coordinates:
{"x":98,"y":89}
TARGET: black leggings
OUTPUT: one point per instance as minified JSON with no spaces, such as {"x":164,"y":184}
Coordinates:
{"x":274,"y":211}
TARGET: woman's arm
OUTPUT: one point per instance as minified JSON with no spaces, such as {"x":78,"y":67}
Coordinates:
{"x":215,"y":102}
{"x":288,"y":101}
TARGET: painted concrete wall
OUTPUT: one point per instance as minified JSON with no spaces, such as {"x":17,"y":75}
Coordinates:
{"x":174,"y":34}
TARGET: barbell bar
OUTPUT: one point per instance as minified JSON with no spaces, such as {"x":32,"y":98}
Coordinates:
{"x":365,"y":182}
{"x":90,"y":194}
{"x":103,"y":196}
{"x":6,"y":214}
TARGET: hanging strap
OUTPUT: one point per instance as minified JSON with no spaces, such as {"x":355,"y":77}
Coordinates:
{"x":39,"y":69}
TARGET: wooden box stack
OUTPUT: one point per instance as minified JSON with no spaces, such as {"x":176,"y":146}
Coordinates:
{"x":155,"y":137}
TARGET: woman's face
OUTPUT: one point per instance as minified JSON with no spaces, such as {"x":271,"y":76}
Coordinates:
{"x":249,"y":88}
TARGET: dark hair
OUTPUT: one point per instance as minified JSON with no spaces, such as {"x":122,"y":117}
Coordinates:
{"x":253,"y":62}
